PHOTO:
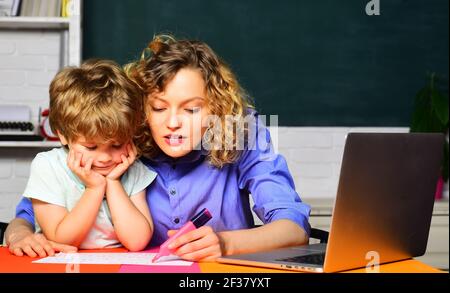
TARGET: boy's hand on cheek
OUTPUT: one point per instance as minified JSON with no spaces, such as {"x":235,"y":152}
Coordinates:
{"x":89,"y":177}
{"x":127,"y":161}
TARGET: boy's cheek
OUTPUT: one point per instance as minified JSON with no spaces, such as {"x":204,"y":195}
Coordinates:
{"x":123,"y":151}
{"x":84,"y":160}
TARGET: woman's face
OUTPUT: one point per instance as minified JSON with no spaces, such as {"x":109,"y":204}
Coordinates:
{"x":176,"y":114}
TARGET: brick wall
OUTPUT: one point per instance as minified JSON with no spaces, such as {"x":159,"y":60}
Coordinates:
{"x":14,"y":172}
{"x":28,"y":62}
{"x":29,"y":59}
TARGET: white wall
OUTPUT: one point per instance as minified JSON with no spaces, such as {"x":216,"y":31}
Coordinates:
{"x":314,"y":156}
{"x":14,"y":172}
{"x":28,"y":62}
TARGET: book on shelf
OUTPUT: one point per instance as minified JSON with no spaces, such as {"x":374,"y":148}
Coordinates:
{"x":41,"y":8}
{"x":37,"y":8}
{"x":26,"y":8}
{"x":68,"y":8}
{"x":6,"y":7}
{"x":54,"y":8}
{"x":50,"y":8}
{"x":15,"y":8}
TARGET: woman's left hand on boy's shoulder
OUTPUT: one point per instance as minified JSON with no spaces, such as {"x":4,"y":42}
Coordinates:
{"x":127,"y":161}
{"x":202,"y":244}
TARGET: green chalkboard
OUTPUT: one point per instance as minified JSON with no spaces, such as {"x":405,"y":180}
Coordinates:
{"x":312,"y":62}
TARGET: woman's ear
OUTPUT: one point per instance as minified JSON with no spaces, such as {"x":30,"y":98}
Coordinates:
{"x":62,"y":138}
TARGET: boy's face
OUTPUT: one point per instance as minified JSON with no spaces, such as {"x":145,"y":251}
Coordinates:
{"x":177,"y":113}
{"x":106,"y":155}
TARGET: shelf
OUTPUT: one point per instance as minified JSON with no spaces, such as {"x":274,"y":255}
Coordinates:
{"x":29,"y":144}
{"x":23,"y":22}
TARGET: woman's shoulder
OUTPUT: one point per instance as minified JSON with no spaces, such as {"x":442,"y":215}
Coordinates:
{"x":139,"y":169}
{"x":137,"y":177}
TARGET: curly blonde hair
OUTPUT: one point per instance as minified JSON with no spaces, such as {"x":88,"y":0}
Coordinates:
{"x":160,"y":62}
{"x":95,"y":100}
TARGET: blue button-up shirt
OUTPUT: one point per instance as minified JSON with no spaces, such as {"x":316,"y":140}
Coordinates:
{"x":186,"y":185}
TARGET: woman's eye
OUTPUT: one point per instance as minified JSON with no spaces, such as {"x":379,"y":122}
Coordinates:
{"x":192,"y":110}
{"x":155,"y":109}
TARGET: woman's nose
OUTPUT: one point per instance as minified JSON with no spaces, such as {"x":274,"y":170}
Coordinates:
{"x":174,"y":122}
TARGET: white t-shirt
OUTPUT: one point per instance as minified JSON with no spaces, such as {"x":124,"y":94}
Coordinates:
{"x":53,"y":182}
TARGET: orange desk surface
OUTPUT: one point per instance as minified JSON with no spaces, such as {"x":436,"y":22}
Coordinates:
{"x":14,"y":264}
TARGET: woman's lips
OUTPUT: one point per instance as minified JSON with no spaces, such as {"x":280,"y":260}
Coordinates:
{"x":174,"y":140}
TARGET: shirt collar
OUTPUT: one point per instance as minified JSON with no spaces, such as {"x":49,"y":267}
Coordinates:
{"x":191,"y":157}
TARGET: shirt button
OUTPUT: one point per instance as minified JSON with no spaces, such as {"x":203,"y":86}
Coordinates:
{"x":173,"y":191}
{"x":176,"y":221}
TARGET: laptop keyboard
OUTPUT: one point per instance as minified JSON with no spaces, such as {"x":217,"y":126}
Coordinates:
{"x":317,"y":259}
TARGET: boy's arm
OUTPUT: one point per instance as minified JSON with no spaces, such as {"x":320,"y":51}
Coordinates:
{"x":21,"y":239}
{"x":69,"y":227}
{"x":130,"y":215}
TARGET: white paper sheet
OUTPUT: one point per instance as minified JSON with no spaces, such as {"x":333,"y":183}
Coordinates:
{"x":129,"y":258}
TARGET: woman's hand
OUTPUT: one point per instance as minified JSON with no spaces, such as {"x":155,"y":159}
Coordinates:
{"x":33,"y":245}
{"x":201,"y":244}
{"x":89,"y":177}
{"x":127,"y":161}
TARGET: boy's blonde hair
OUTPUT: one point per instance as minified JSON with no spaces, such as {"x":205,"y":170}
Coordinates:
{"x":95,"y":100}
{"x":160,"y":62}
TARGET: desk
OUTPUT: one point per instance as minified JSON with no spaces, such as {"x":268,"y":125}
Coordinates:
{"x":14,"y":264}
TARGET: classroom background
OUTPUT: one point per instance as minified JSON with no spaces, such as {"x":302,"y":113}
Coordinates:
{"x":325,"y":67}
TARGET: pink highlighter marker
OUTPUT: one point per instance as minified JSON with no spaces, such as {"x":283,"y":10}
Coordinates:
{"x":197,"y":221}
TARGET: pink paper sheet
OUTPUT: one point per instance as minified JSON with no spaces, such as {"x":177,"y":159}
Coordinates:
{"x":194,"y":268}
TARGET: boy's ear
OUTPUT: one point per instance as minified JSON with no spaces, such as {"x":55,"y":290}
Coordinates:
{"x":62,"y":138}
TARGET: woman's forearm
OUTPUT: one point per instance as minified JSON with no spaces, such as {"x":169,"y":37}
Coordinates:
{"x":17,"y":229}
{"x":280,"y":233}
{"x":132,"y":227}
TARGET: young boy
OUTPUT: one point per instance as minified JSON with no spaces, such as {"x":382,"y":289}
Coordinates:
{"x":91,"y":192}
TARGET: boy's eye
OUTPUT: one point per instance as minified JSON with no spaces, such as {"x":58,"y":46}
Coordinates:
{"x":117,"y":146}
{"x":90,"y":147}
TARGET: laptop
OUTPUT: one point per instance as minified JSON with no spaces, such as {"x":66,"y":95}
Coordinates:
{"x":382,"y":211}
